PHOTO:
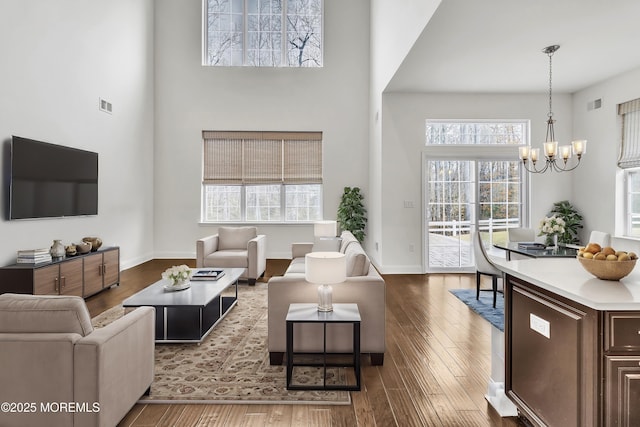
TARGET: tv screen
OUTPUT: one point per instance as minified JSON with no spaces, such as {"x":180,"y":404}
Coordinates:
{"x":49,"y":180}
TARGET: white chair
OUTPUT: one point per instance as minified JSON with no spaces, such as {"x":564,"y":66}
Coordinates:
{"x":484,"y":266}
{"x":600,"y":237}
{"x":240,"y":247}
{"x":521,"y":234}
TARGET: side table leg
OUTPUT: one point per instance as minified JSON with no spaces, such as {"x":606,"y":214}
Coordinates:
{"x":356,"y":352}
{"x":289,"y":354}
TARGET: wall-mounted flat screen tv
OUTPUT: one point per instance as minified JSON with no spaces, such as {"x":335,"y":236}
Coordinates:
{"x":49,"y":180}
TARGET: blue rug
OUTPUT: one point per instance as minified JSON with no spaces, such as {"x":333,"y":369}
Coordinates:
{"x":483,"y":306}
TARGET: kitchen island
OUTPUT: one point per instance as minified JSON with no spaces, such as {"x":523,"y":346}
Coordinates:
{"x":572,"y":344}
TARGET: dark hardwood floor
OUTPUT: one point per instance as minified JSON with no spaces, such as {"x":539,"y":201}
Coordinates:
{"x":435,"y":371}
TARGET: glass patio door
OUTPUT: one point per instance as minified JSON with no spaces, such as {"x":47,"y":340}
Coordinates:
{"x":464,"y":196}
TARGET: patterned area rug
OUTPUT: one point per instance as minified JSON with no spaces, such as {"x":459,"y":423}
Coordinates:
{"x":232,"y":364}
{"x":484,"y":306}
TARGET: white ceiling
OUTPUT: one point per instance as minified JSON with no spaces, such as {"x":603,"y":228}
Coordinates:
{"x":496,"y":46}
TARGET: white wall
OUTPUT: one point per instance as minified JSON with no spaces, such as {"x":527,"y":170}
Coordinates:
{"x":58,"y":58}
{"x":595,"y":181}
{"x":191,"y":98}
{"x":403,"y":137}
{"x":394,"y":30}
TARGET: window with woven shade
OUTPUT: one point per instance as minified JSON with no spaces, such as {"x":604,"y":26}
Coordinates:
{"x":262,"y":176}
{"x":629,"y":160}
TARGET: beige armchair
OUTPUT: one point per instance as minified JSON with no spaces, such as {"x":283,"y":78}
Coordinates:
{"x":51,"y":356}
{"x":237,"y":247}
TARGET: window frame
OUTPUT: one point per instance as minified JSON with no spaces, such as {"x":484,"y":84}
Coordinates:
{"x":284,"y":40}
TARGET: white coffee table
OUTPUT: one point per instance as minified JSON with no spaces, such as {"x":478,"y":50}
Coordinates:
{"x":190,"y":314}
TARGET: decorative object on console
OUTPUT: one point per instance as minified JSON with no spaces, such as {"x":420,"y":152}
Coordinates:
{"x":551,"y":227}
{"x":325,"y":269}
{"x":96,"y":242}
{"x":71,"y":250}
{"x":83,"y":247}
{"x":550,"y":145}
{"x":57,"y":250}
{"x":34,"y":256}
{"x":352,"y":215}
{"x":177,"y":276}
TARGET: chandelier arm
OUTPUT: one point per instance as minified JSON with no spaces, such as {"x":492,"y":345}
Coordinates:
{"x":535,"y":170}
{"x":565,"y":168}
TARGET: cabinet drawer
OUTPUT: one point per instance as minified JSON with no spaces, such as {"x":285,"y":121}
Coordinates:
{"x":622,"y":331}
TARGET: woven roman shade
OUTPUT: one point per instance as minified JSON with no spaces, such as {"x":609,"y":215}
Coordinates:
{"x":232,"y":158}
{"x":630,"y":147}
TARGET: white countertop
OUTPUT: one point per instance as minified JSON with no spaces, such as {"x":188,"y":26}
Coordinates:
{"x":567,"y":278}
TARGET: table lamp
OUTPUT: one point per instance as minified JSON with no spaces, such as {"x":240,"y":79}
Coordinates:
{"x":325,"y":229}
{"x":325,"y":269}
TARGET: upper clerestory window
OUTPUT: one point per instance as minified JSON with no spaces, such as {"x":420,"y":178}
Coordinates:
{"x":262,"y":33}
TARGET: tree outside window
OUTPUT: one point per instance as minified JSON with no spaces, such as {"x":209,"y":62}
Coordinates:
{"x":263,"y":33}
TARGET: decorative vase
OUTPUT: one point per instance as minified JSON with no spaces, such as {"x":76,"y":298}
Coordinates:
{"x":57,"y":250}
{"x":554,"y":239}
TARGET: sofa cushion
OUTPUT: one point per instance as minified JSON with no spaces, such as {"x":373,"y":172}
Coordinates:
{"x":235,"y":237}
{"x":357,"y":261}
{"x":230,"y":258}
{"x":296,"y":266}
{"x":347,"y":239}
{"x":21,"y":313}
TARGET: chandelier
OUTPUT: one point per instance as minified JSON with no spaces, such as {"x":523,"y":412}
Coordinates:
{"x":555,"y":158}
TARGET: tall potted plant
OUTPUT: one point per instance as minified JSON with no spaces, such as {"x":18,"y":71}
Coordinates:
{"x":572,"y":221}
{"x":352,"y":215}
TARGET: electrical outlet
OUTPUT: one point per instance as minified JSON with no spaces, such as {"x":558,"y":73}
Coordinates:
{"x":541,"y":326}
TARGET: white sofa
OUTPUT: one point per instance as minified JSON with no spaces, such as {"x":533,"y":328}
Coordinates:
{"x":234,"y":247}
{"x":364,"y":286}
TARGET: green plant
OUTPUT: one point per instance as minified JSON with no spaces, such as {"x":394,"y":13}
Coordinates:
{"x":572,"y":221}
{"x":352,"y":215}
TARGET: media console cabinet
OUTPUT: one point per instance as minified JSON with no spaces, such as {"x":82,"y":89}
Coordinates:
{"x":572,"y":344}
{"x":80,"y":275}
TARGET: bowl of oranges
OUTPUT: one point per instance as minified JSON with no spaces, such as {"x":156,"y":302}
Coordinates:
{"x":605,"y":262}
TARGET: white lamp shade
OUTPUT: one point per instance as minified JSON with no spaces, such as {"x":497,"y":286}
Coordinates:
{"x":325,"y":268}
{"x":325,"y":228}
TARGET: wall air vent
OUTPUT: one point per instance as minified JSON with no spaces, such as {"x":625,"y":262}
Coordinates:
{"x":105,"y":106}
{"x":594,"y":105}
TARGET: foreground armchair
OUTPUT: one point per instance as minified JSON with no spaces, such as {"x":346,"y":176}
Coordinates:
{"x":234,"y":247}
{"x":65,"y":373}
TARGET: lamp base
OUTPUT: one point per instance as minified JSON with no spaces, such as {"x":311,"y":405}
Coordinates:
{"x":324,"y":298}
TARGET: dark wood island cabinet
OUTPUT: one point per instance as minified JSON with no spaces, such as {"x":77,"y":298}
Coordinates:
{"x":81,"y":275}
{"x":572,"y":344}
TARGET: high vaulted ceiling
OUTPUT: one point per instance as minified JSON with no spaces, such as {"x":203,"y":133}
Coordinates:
{"x":495,"y":46}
